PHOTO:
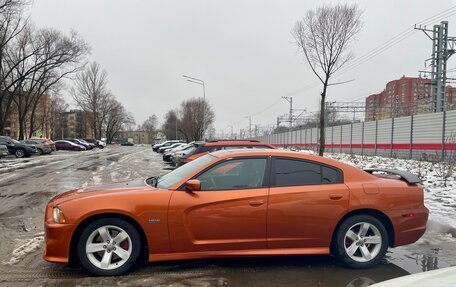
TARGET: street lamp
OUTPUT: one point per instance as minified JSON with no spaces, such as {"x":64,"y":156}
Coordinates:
{"x":197,"y":81}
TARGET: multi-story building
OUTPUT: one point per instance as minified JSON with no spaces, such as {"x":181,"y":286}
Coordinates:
{"x":75,"y":124}
{"x":41,"y":120}
{"x":404,"y":97}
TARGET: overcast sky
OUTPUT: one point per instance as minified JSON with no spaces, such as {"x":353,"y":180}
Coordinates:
{"x":241,"y":49}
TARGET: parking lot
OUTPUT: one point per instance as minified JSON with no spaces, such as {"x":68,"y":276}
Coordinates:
{"x":27,"y":184}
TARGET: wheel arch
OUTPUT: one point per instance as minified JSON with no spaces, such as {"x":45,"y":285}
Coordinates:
{"x":367,"y":211}
{"x":73,"y":257}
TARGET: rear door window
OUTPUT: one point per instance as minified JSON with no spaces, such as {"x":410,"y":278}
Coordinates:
{"x":292,"y":172}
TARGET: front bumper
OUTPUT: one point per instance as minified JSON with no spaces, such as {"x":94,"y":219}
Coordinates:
{"x":57,"y":242}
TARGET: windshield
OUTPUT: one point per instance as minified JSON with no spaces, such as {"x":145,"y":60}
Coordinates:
{"x":180,"y":173}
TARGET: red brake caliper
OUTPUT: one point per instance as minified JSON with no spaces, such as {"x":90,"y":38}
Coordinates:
{"x":124,"y":244}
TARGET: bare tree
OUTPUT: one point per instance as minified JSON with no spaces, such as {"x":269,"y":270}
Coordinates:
{"x":324,"y":37}
{"x":150,"y":126}
{"x":196,"y":116}
{"x":170,"y":125}
{"x":116,"y":119}
{"x":58,"y":107}
{"x":91,"y":94}
{"x":53,"y":57}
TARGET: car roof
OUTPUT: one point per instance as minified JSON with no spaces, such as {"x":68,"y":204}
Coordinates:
{"x":350,"y":172}
{"x":235,"y":143}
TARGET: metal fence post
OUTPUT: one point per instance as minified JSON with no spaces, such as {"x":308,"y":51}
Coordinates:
{"x":351,"y":138}
{"x":411,"y":137}
{"x":305,"y":138}
{"x":332,"y":139}
{"x":376,"y":136}
{"x":341,"y":128}
{"x":443,"y":135}
{"x":392,"y":137}
{"x":362,"y":139}
{"x":300,"y":137}
{"x":311,"y":138}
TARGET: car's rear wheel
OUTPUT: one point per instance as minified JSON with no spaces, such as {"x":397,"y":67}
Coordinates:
{"x":40,"y":151}
{"x":109,"y":246}
{"x":19,"y":153}
{"x":361,"y":241}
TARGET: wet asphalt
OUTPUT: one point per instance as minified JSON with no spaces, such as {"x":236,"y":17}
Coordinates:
{"x":24,"y":193}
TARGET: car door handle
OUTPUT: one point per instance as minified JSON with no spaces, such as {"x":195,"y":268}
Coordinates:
{"x":335,"y":196}
{"x":256,"y":202}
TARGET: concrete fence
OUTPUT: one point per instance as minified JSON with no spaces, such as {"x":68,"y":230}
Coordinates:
{"x":405,"y":137}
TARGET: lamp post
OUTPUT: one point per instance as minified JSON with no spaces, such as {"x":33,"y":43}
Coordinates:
{"x":197,"y":81}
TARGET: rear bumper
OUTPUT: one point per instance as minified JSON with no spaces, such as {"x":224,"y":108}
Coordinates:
{"x":57,"y":242}
{"x":409,"y":225}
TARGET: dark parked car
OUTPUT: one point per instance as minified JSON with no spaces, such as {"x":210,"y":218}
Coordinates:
{"x":127,"y":144}
{"x":41,"y":146}
{"x":67,"y":145}
{"x":16,"y":148}
{"x":215,"y":145}
{"x":79,"y":142}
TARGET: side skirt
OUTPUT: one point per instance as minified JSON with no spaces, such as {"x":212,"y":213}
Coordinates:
{"x":238,"y":253}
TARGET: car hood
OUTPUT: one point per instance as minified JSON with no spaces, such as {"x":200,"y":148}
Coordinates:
{"x":101,"y":189}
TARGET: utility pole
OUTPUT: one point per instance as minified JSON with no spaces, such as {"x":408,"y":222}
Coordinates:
{"x":250,"y":125}
{"x":442,"y":49}
{"x":231,"y":126}
{"x":290,"y":100}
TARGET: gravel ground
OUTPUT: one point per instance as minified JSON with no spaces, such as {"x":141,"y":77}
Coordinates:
{"x":27,"y":184}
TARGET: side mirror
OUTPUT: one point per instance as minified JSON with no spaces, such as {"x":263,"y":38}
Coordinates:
{"x":193,"y":185}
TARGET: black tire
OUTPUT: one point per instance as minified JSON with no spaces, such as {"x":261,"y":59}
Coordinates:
{"x":40,"y":151}
{"x":100,"y":147}
{"x":19,"y":153}
{"x":132,"y":261}
{"x":341,"y":242}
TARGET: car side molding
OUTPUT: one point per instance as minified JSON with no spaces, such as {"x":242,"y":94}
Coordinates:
{"x":407,"y":176}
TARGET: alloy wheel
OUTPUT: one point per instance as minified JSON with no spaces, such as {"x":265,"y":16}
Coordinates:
{"x":108,"y":247}
{"x":363,"y":242}
{"x":20,"y":153}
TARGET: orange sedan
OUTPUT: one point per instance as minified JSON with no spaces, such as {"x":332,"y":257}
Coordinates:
{"x":238,"y":203}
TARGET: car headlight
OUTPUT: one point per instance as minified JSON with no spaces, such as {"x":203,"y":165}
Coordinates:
{"x":57,"y":215}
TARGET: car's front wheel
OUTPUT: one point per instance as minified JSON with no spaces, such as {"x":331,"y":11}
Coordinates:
{"x":109,"y":246}
{"x":361,"y":241}
{"x":19,"y":153}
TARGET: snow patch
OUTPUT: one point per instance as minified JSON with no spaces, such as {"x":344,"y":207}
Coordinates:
{"x":24,"y":247}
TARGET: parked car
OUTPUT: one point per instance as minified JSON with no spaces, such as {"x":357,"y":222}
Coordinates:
{"x":215,"y":145}
{"x":41,"y":146}
{"x":252,"y":202}
{"x":155,"y":147}
{"x":79,"y":142}
{"x":16,"y":148}
{"x":3,"y":150}
{"x":174,"y":145}
{"x":48,"y":141}
{"x":127,"y":144}
{"x":98,"y":143}
{"x":68,"y":145}
{"x":92,"y":145}
{"x":167,"y":154}
{"x":172,"y":156}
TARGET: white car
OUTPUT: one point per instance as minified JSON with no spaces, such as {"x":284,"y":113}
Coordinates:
{"x":445,"y":277}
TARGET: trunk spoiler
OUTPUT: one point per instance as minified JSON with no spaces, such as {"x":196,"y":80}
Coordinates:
{"x":405,"y":175}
